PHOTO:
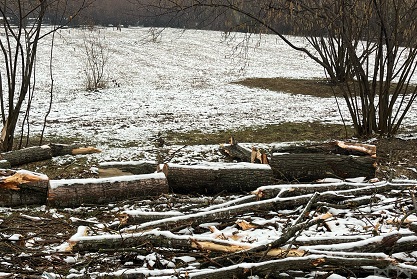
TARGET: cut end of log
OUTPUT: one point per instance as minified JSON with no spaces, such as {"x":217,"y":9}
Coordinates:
{"x":369,"y":149}
{"x":85,"y":150}
{"x":20,"y":177}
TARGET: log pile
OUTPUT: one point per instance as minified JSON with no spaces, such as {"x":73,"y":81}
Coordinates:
{"x":310,"y":162}
{"x":304,"y":228}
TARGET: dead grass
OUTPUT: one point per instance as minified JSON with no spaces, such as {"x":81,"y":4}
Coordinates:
{"x":312,"y":87}
{"x":282,"y":132}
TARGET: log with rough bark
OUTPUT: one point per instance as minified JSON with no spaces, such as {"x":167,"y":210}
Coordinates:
{"x":27,"y":155}
{"x":213,"y":178}
{"x":234,"y":151}
{"x":313,"y":166}
{"x":75,"y":192}
{"x":310,"y":162}
{"x":40,"y":153}
{"x":19,"y":188}
{"x":71,"y":149}
{"x":108,"y":169}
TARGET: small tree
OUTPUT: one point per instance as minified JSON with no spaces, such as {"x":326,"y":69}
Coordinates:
{"x":97,"y":57}
{"x":367,"y":48}
{"x":22,"y":23}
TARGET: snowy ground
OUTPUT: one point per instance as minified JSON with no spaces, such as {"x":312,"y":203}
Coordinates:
{"x":181,"y":81}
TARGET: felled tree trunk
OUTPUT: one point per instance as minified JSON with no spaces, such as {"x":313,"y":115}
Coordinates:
{"x":18,"y":188}
{"x":312,"y":166}
{"x":27,"y":155}
{"x":74,"y":192}
{"x":40,"y":153}
{"x":71,"y":149}
{"x":213,"y":178}
{"x":109,"y":169}
{"x":311,"y":162}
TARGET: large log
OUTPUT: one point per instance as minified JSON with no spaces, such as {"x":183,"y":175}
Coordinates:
{"x":75,"y":192}
{"x":108,"y":169}
{"x":213,"y":178}
{"x":19,"y":188}
{"x":27,"y":155}
{"x":313,"y":166}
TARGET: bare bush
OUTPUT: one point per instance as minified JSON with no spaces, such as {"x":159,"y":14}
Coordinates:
{"x":96,"y":54}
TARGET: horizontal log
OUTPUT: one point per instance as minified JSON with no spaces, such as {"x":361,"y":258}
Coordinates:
{"x":27,"y":155}
{"x":59,"y":149}
{"x":20,"y":188}
{"x":108,"y":169}
{"x":213,"y":178}
{"x":75,"y":192}
{"x":313,"y":166}
{"x":275,"y":267}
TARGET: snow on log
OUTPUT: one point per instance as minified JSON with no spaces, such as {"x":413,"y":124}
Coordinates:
{"x":276,"y":267}
{"x":27,"y":155}
{"x":22,"y":187}
{"x":108,"y":169}
{"x":213,"y":178}
{"x":74,"y":192}
{"x":313,"y":166}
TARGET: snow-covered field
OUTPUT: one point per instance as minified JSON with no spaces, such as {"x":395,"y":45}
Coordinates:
{"x":179,"y":82}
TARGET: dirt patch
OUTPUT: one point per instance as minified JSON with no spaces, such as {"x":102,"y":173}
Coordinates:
{"x":312,"y":87}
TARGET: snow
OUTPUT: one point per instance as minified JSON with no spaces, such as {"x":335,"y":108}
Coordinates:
{"x":180,"y":83}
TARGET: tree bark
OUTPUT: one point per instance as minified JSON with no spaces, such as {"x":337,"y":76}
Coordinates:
{"x":213,"y":178}
{"x":75,"y":192}
{"x":71,"y":149}
{"x":306,"y":167}
{"x":20,"y":188}
{"x":27,"y":155}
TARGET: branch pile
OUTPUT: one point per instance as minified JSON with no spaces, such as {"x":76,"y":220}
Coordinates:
{"x":349,"y":229}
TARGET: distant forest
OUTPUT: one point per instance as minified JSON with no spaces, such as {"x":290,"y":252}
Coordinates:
{"x":129,"y":13}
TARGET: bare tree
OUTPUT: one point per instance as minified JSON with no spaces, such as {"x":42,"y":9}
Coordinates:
{"x":22,"y":25}
{"x":367,"y":48}
{"x":96,"y":56}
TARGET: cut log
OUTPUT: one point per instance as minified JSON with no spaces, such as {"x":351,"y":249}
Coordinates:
{"x":18,"y":188}
{"x":71,"y":149}
{"x":74,"y":192}
{"x":108,"y":169}
{"x":213,"y":178}
{"x":27,"y":155}
{"x":313,"y":166}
